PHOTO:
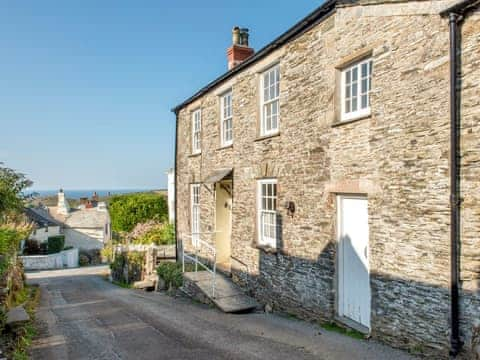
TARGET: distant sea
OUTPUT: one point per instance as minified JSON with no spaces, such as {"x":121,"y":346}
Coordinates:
{"x":77,"y":194}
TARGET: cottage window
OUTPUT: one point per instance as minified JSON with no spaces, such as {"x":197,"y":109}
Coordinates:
{"x":267,"y":212}
{"x":355,"y":90}
{"x":226,"y":126}
{"x":195,"y":201}
{"x":196,"y":131}
{"x":270,"y":94}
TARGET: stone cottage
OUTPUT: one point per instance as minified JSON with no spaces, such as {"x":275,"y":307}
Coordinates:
{"x":337,"y":170}
{"x":86,"y":227}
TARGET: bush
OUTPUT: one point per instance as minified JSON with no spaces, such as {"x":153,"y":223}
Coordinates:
{"x":162,"y":234}
{"x":133,"y":262}
{"x":172,"y":274}
{"x":126,"y":211}
{"x":83,"y":260}
{"x":91,"y":257}
{"x":31,"y":247}
{"x":10,"y":237}
{"x":107,"y":253}
{"x":55,"y":244}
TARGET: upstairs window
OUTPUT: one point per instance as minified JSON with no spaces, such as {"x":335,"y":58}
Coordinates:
{"x":196,"y":132}
{"x":270,"y":86}
{"x":356,"y":87}
{"x":267,"y":212}
{"x":226,"y":116}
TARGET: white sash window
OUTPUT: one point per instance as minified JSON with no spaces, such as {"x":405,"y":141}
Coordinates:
{"x":226,"y":116}
{"x":196,"y":132}
{"x":267,"y":212}
{"x":270,"y":94}
{"x":355,"y":90}
{"x":195,"y":213}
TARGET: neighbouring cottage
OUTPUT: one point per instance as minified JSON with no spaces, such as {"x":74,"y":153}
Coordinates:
{"x":321,"y":169}
{"x":86,"y":227}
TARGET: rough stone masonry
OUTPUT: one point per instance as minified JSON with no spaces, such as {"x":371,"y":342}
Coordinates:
{"x":398,"y":156}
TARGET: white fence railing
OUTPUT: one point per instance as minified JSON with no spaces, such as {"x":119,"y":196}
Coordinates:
{"x":199,"y":245}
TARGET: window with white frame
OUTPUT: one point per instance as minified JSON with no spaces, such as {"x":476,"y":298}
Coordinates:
{"x":196,"y":131}
{"x":355,"y":90}
{"x":195,"y":213}
{"x":270,"y":93}
{"x":226,"y":126}
{"x":267,"y":212}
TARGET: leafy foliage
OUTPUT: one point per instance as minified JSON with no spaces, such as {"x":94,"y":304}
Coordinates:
{"x":130,"y":263}
{"x":10,"y":237}
{"x":172,"y":273}
{"x":162,"y":234}
{"x":55,"y":244}
{"x":126,"y":211}
{"x":12,"y":185}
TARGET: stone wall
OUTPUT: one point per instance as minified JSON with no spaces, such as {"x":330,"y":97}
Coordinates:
{"x":399,"y":157}
{"x":84,"y":239}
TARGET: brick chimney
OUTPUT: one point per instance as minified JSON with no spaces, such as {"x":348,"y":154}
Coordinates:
{"x":239,"y":51}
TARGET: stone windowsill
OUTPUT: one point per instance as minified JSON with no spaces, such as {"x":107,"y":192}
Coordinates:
{"x":340,"y":123}
{"x":266,"y":249}
{"x":224,"y":147}
{"x":265,"y":137}
{"x":194,"y":155}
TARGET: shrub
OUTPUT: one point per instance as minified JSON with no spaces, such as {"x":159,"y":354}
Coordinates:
{"x":128,"y":210}
{"x":172,"y":274}
{"x":55,"y":244}
{"x":31,"y":247}
{"x":92,"y":257}
{"x":107,"y":254}
{"x":133,"y":262}
{"x":162,"y":234}
{"x":83,"y":260}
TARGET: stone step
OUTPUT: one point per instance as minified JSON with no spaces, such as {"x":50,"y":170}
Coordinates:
{"x":229,"y":297}
{"x":17,"y":316}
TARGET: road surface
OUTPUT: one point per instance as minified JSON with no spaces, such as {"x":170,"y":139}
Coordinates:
{"x":82,"y":316}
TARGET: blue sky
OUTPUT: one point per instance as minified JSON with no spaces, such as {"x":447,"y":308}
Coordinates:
{"x":86,"y":87}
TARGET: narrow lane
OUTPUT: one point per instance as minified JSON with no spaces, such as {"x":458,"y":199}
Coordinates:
{"x":82,"y":316}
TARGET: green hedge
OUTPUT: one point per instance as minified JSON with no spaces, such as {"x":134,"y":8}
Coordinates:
{"x":163,"y":234}
{"x":126,"y":211}
{"x":55,"y":244}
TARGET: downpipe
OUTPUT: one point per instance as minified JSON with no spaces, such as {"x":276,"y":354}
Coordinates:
{"x":455,"y":341}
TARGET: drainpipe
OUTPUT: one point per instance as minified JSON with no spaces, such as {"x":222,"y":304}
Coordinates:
{"x":455,"y":341}
{"x":176,"y":187}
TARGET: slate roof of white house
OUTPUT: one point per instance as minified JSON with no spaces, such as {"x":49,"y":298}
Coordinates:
{"x":41,"y":217}
{"x":83,"y":218}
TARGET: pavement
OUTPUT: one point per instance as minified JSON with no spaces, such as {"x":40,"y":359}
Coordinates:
{"x":83,"y":316}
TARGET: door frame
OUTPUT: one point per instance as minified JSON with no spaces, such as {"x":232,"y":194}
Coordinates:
{"x":230,"y":225}
{"x":339,"y":264}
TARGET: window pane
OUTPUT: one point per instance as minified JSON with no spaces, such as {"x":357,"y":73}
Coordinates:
{"x":355,"y":74}
{"x":354,"y":104}
{"x":364,"y":70}
{"x":364,"y":86}
{"x":348,"y":78}
{"x":347,"y":92}
{"x":364,"y":102}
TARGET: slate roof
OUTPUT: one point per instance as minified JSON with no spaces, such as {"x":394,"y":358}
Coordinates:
{"x":41,"y":217}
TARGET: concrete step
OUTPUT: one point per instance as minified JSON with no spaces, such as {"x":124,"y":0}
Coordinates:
{"x":229,"y":297}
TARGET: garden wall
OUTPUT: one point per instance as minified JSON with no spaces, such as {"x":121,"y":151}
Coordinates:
{"x":65,"y":258}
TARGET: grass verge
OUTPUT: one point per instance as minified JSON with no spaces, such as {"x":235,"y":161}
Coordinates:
{"x":17,"y":343}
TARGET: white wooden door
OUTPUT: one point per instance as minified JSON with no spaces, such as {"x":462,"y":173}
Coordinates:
{"x":353,"y":267}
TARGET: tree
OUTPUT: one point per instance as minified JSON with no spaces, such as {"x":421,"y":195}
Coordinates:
{"x":126,"y":211}
{"x":12,"y":186}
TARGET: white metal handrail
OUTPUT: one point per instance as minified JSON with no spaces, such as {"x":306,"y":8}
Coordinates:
{"x":197,"y":246}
